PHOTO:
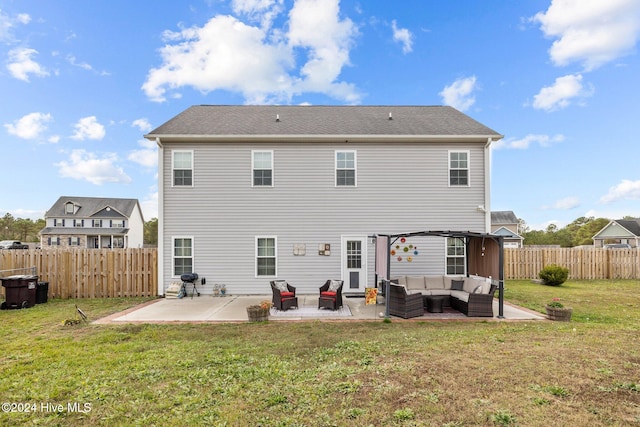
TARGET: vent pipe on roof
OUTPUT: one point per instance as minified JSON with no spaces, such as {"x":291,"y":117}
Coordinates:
{"x":390,"y":116}
{"x":277,"y":117}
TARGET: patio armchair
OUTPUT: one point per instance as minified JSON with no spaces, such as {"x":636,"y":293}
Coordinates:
{"x":284,"y":295}
{"x":404,"y":305}
{"x":331,"y":295}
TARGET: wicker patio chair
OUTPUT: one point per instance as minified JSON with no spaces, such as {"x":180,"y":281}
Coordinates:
{"x":283,"y":300}
{"x":404,"y":305}
{"x":479,"y":305}
{"x":331,"y":297}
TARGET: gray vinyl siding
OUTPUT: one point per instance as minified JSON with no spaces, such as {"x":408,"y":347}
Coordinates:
{"x":400,"y":187}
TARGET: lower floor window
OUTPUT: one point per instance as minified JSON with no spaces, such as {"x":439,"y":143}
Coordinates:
{"x":182,"y":255}
{"x":266,"y":256}
{"x":455,"y":256}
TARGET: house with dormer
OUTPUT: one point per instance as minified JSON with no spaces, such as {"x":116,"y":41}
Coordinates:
{"x":250,"y":194}
{"x":93,"y":222}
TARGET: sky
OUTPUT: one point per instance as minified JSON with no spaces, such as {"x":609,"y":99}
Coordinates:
{"x":82,"y":82}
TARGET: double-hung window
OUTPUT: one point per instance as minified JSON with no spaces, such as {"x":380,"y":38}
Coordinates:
{"x":262,"y":168}
{"x":182,"y":255}
{"x":458,"y":168}
{"x":346,"y":167}
{"x":182,"y":166}
{"x":266,"y":257}
{"x":456,"y":258}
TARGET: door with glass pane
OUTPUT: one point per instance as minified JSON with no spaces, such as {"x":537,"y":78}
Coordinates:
{"x":354,"y":263}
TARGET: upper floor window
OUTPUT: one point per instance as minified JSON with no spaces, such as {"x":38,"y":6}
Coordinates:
{"x":58,"y":222}
{"x":69,"y":208}
{"x":96,"y":223}
{"x":182,"y":168}
{"x":262,"y":167}
{"x":117,"y":223}
{"x":346,"y":168}
{"x":458,"y":168}
{"x":78,"y":222}
{"x":455,"y":256}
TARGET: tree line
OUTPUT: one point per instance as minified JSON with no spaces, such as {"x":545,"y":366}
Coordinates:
{"x":579,"y":232}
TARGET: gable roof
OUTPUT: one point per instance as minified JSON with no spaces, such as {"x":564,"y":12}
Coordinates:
{"x":507,"y":234}
{"x":90,"y":206}
{"x":633,"y":225}
{"x":503,"y":217}
{"x":211,"y":122}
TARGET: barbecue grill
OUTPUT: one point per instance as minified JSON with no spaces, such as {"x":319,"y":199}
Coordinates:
{"x":189,"y":279}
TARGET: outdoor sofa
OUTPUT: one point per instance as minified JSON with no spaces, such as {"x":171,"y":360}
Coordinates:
{"x":472,"y":296}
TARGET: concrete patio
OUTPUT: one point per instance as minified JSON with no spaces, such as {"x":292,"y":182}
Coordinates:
{"x":232,"y":308}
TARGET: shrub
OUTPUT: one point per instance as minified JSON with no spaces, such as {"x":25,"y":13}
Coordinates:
{"x":554,"y":275}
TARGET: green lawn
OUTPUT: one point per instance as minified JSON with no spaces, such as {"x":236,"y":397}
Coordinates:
{"x":402,"y":373}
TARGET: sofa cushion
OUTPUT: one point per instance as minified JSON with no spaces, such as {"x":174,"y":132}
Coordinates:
{"x":461,"y":295}
{"x":434,"y":282}
{"x":457,"y":285}
{"x":473,"y":284}
{"x":469,"y":285}
{"x":444,"y":292}
{"x":415,"y":282}
{"x":400,"y":280}
{"x":447,"y":280}
{"x":286,"y":294}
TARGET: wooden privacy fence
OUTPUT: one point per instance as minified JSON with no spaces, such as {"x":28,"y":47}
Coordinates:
{"x":583,"y":263}
{"x":87,"y":273}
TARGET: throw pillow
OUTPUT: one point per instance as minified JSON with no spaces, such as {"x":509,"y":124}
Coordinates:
{"x":281,"y":285}
{"x":456,"y":285}
{"x":478,"y":289}
{"x":334,"y":285}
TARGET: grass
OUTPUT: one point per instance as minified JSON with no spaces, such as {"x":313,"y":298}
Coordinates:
{"x":586,"y":372}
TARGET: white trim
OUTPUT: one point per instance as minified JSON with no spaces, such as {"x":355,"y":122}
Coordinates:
{"x":161,"y":243}
{"x":173,"y":256}
{"x":468,"y":153}
{"x":364,"y":276}
{"x":275,"y":243}
{"x":272,"y":168}
{"x":355,"y":168}
{"x":193,"y":177}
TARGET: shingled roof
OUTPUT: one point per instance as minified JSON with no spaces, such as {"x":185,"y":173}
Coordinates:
{"x":92,"y":207}
{"x":322,"y":122}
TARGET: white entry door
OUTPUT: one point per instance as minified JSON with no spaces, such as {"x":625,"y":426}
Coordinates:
{"x":354,"y":263}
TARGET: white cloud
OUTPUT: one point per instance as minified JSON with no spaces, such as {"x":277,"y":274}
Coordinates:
{"x":149,"y":204}
{"x":30,"y":126}
{"x":524,"y":143}
{"x":263,"y":11}
{"x":83,"y":165}
{"x":590,"y":32}
{"x":147,"y":156}
{"x":20,"y":64}
{"x":625,"y":190}
{"x":565,"y":204}
{"x":142,"y":124}
{"x":88,"y":128}
{"x":459,"y":93}
{"x":7,"y":23}
{"x":560,"y":95}
{"x":403,"y":36}
{"x":259,"y":62}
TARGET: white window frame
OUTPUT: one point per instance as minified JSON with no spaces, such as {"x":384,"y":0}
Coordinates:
{"x":253,"y":167}
{"x":120,"y":223}
{"x":74,"y":241}
{"x":96,"y":221}
{"x":450,"y":168}
{"x":174,"y":257}
{"x":275,"y":256}
{"x":173,"y":168}
{"x":355,"y":168}
{"x":66,"y":208}
{"x":462,"y":256}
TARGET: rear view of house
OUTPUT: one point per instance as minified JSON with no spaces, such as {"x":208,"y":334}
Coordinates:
{"x":249,"y":194}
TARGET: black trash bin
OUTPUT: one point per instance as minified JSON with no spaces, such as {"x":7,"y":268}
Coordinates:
{"x":20,"y":291}
{"x":42,"y":292}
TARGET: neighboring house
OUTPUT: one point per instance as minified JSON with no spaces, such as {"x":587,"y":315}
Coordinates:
{"x":505,"y":224}
{"x":93,"y":222}
{"x":250,"y":194}
{"x":621,"y":231}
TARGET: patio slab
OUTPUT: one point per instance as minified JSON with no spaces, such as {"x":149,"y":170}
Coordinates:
{"x":232,"y":308}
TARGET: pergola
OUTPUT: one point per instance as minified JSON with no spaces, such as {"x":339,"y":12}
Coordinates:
{"x":484,"y":256}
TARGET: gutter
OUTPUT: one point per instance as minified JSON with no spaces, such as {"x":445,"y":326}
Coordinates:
{"x":321,"y":138}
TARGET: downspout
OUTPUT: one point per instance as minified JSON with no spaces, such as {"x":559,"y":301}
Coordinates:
{"x":160,"y":217}
{"x":487,"y":186}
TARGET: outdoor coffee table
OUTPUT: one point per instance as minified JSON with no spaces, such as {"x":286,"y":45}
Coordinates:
{"x":434,"y":303}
